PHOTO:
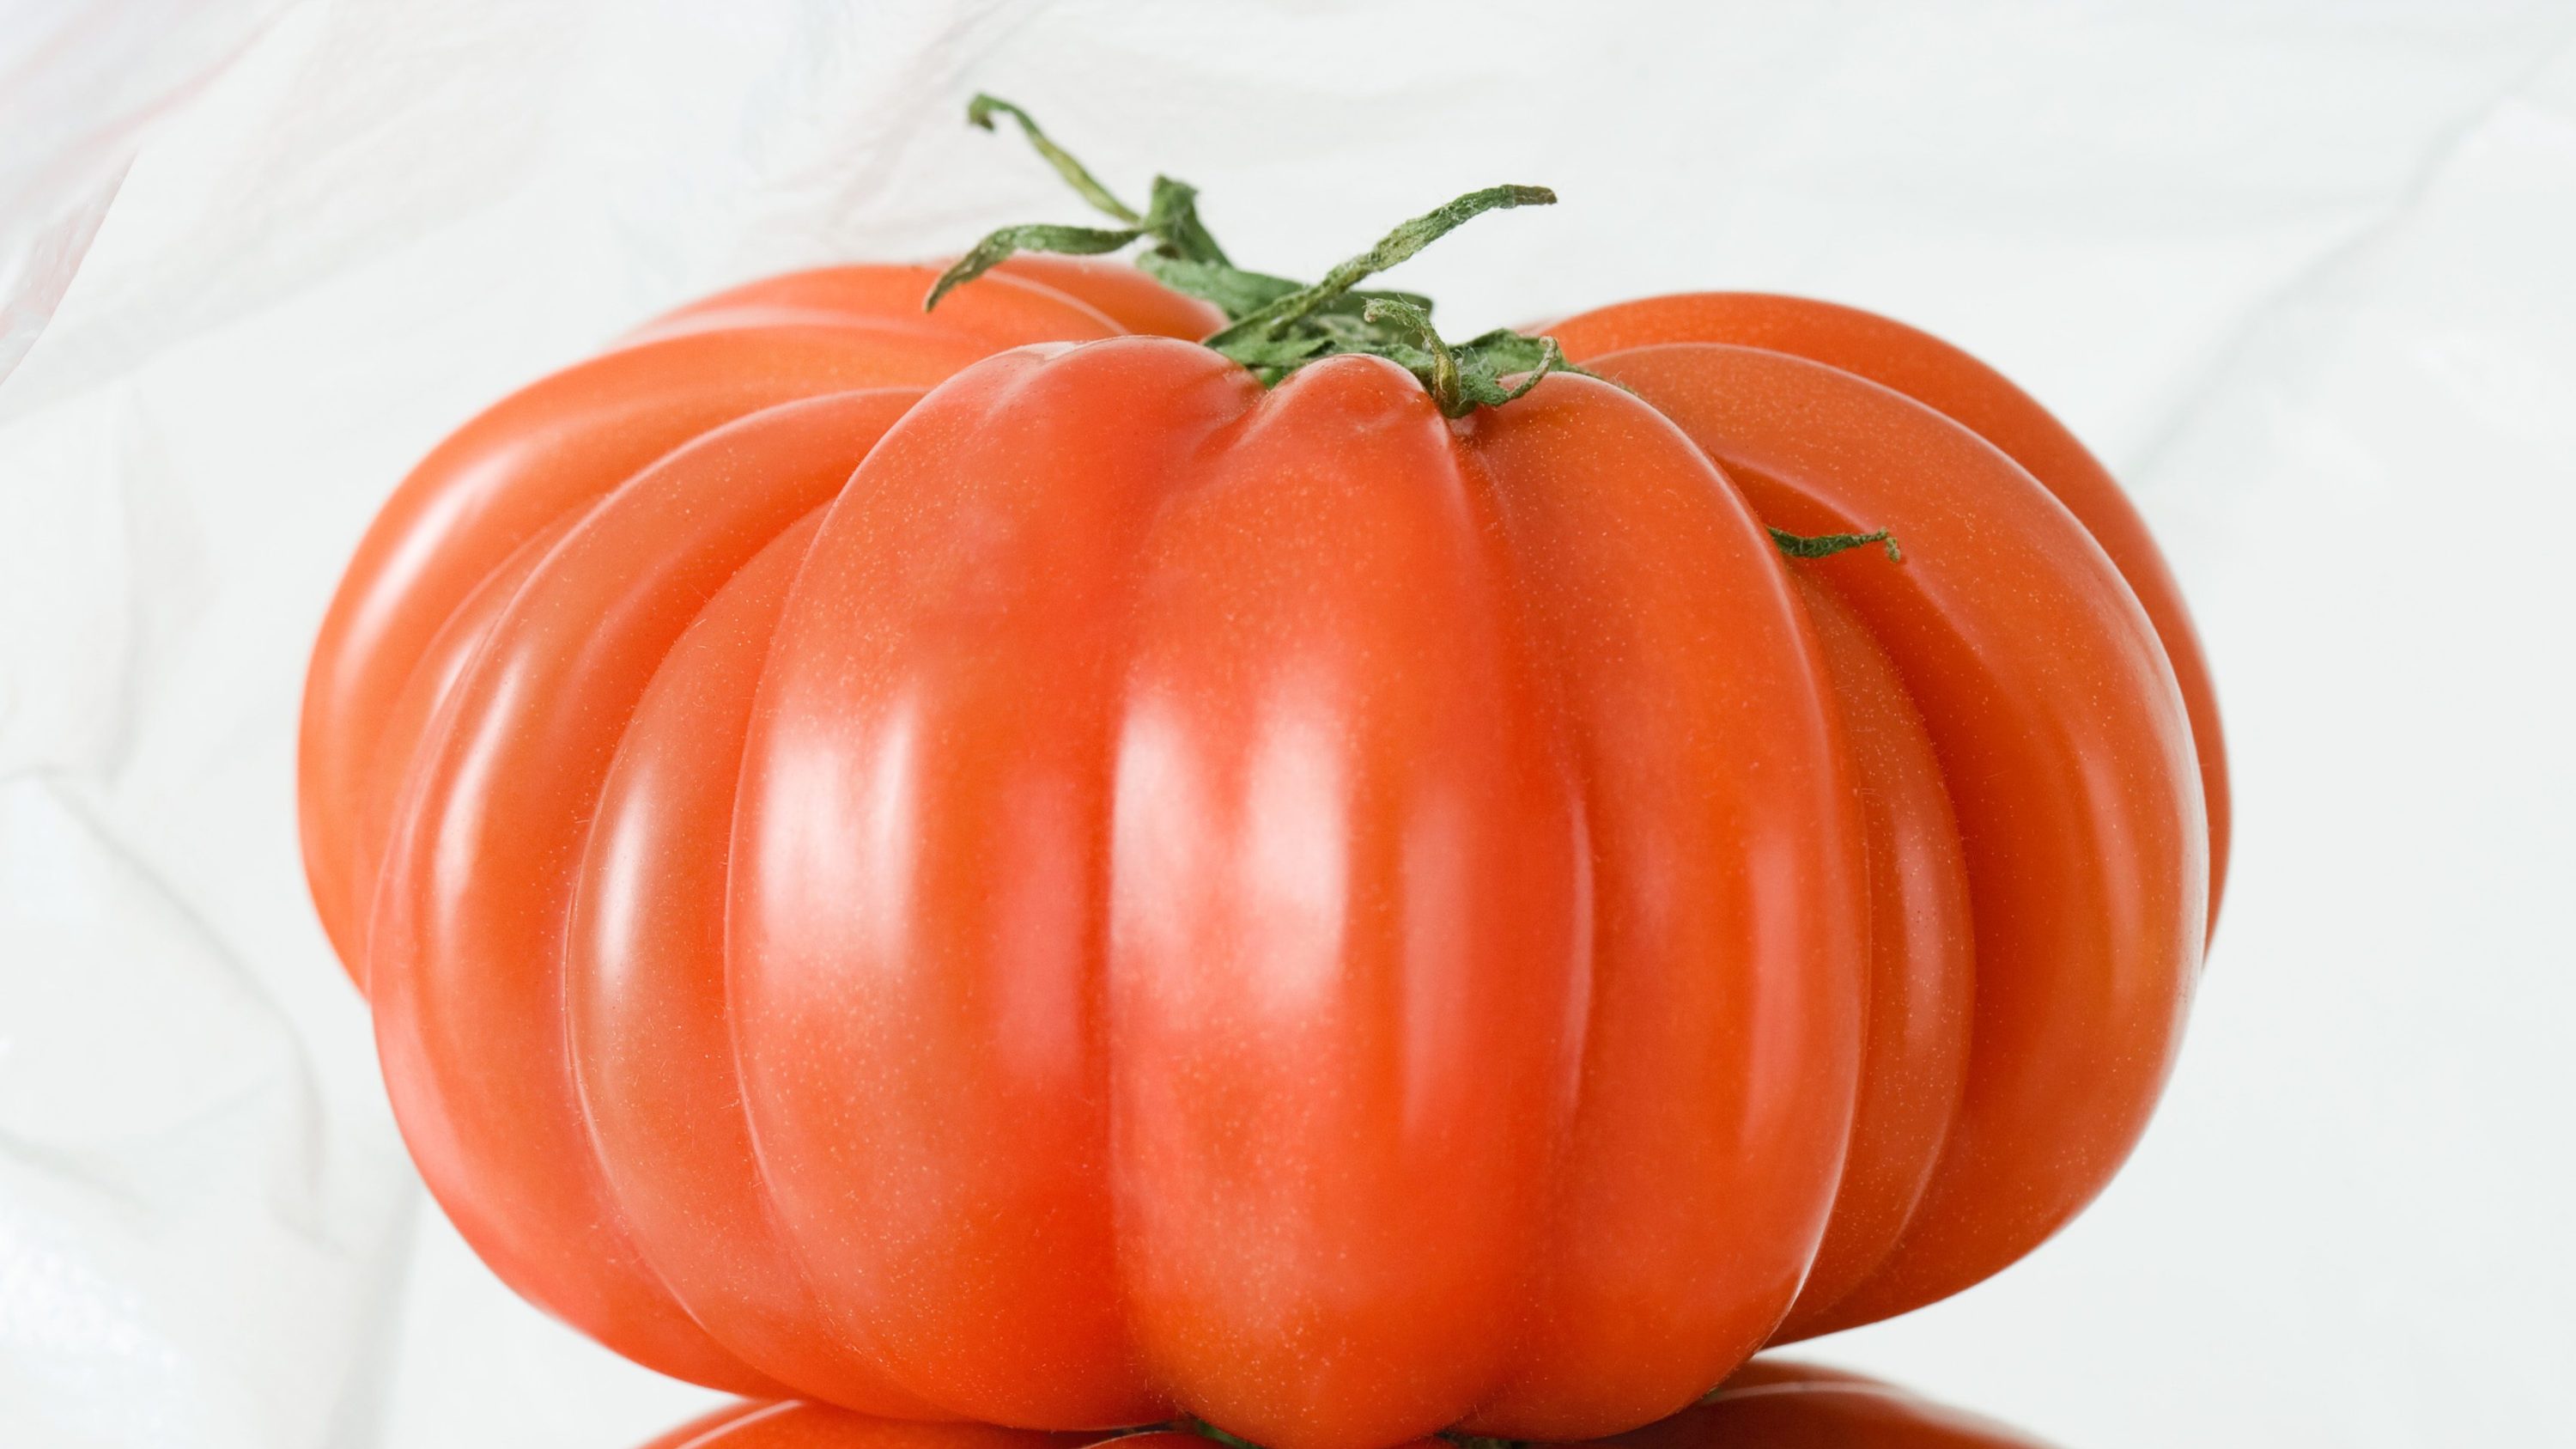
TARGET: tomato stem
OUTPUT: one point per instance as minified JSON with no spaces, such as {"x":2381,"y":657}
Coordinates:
{"x":1469,"y":375}
{"x":1826,"y":545}
{"x":1275,"y":325}
{"x":980,"y":112}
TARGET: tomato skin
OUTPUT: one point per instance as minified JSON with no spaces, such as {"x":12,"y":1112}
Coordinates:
{"x":1766,"y":1405}
{"x":976,"y":867}
{"x":469,"y":925}
{"x":1320,"y":665}
{"x":790,"y":1424}
{"x":1922,"y":965}
{"x":965,"y":591}
{"x":1958,"y":386}
{"x":1774,"y":1404}
{"x":2068,"y":755}
{"x":1728,"y":916}
{"x":1122,"y":293}
{"x":558,"y":445}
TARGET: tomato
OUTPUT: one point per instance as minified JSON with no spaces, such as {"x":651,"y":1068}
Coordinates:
{"x":989,"y":866}
{"x":1771,"y":1404}
{"x":1766,"y":1405}
{"x":795,"y":1424}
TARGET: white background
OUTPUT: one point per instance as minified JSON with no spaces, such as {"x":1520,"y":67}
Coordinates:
{"x":2305,"y":275}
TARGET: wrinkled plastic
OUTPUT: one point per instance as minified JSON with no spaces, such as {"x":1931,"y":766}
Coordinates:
{"x":2297,"y":273}
{"x":79,"y":86}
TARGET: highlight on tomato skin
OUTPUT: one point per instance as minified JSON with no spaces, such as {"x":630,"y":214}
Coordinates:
{"x":1768,"y":1404}
{"x":1038,"y":863}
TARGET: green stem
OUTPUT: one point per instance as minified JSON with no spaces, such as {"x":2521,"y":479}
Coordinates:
{"x":980,"y":112}
{"x":1826,"y":545}
{"x":1397,"y":246}
{"x":1470,"y":375}
{"x":1275,"y":325}
{"x":993,"y":250}
{"x":1171,"y":220}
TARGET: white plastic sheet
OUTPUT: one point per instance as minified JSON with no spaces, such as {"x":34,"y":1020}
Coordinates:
{"x":2300,"y":272}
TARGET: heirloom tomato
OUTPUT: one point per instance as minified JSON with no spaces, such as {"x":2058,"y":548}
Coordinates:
{"x":1009,"y":864}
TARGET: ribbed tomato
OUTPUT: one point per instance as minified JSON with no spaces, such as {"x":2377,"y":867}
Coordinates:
{"x":990,"y":866}
{"x":1766,"y":1405}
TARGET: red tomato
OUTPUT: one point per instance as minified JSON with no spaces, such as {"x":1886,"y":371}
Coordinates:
{"x":1766,"y":1405}
{"x":1048,"y":884}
